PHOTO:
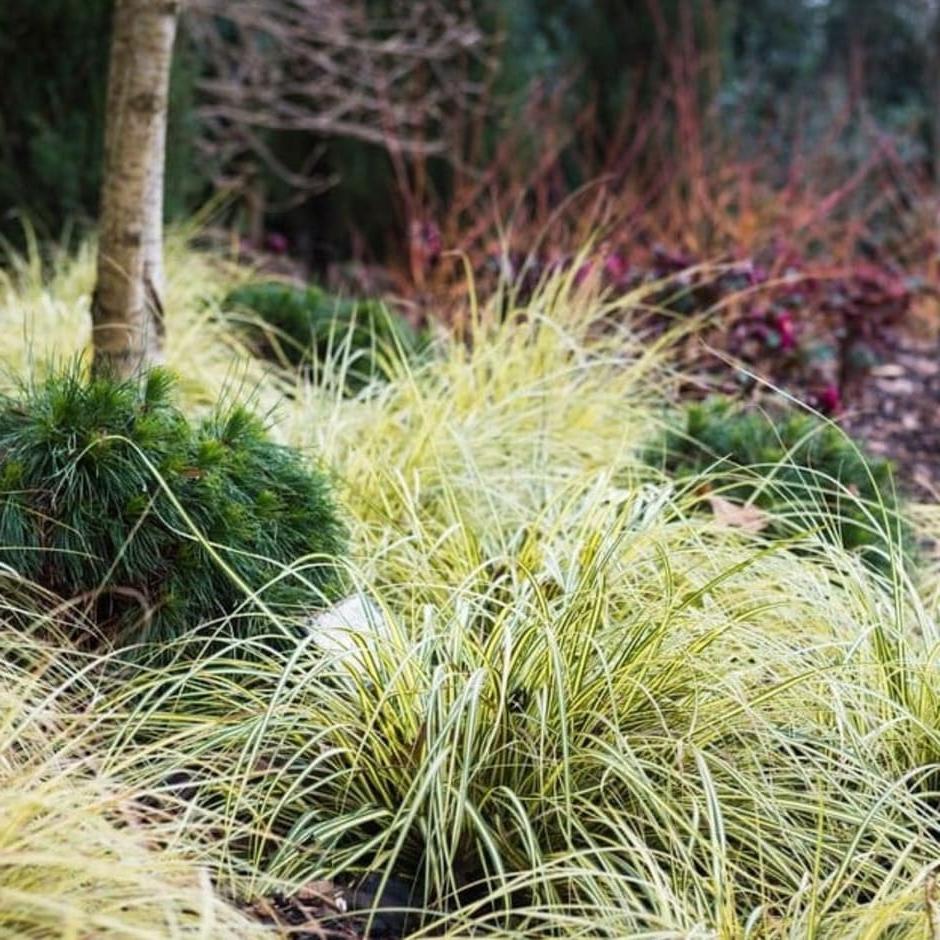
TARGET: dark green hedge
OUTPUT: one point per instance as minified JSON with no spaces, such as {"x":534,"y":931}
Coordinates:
{"x":310,"y":328}
{"x":109,"y":496}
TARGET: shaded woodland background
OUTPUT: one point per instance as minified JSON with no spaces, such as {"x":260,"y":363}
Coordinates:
{"x":675,"y":101}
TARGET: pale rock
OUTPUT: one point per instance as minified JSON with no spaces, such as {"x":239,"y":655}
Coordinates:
{"x":350,"y":628}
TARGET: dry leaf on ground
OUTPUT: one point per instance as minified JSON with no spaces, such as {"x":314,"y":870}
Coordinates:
{"x":736,"y":516}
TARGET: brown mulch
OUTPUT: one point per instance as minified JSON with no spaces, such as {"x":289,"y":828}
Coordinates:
{"x":324,"y":910}
{"x":314,"y":913}
{"x":895,"y":410}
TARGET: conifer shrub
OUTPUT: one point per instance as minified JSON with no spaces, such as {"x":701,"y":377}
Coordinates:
{"x":308,"y":327}
{"x":806,"y":473}
{"x":152,"y":524}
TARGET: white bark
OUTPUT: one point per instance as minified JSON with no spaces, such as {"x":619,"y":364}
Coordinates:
{"x":127,"y":312}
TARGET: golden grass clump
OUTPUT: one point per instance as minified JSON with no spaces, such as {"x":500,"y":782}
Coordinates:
{"x":79,"y":856}
{"x":576,"y":705}
{"x":45,"y":318}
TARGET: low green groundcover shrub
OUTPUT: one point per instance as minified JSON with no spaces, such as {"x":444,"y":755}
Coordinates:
{"x":805,"y":472}
{"x":150,"y":524}
{"x":306,"y":326}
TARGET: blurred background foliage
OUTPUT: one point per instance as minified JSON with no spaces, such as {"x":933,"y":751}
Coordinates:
{"x":52,"y":116}
{"x":777,"y":71}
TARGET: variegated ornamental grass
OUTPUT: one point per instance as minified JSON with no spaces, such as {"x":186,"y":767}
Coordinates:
{"x":591,"y":709}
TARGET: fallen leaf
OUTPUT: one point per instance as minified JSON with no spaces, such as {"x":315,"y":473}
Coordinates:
{"x":736,"y":516}
{"x":325,"y":891}
{"x":897,"y":386}
{"x":890,"y":370}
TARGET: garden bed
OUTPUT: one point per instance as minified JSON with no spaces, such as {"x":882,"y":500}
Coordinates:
{"x":605,"y":700}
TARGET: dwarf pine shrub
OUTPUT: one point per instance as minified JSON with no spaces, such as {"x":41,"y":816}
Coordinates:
{"x":806,"y":473}
{"x":111,"y":498}
{"x":307,"y":327}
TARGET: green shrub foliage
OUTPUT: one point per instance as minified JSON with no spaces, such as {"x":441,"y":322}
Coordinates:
{"x":113,"y":499}
{"x":306,"y":326}
{"x":805,"y":472}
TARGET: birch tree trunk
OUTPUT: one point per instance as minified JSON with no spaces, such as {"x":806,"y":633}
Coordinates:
{"x":127,"y":311}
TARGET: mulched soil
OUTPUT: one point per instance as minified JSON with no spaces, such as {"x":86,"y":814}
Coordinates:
{"x":323,"y":910}
{"x":895,"y":410}
{"x":314,"y":913}
{"x":892,"y":408}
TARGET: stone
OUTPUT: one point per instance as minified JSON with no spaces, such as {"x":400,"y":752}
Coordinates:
{"x":349,"y":628}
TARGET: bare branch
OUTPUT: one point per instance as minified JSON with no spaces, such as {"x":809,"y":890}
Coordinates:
{"x":329,"y":68}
